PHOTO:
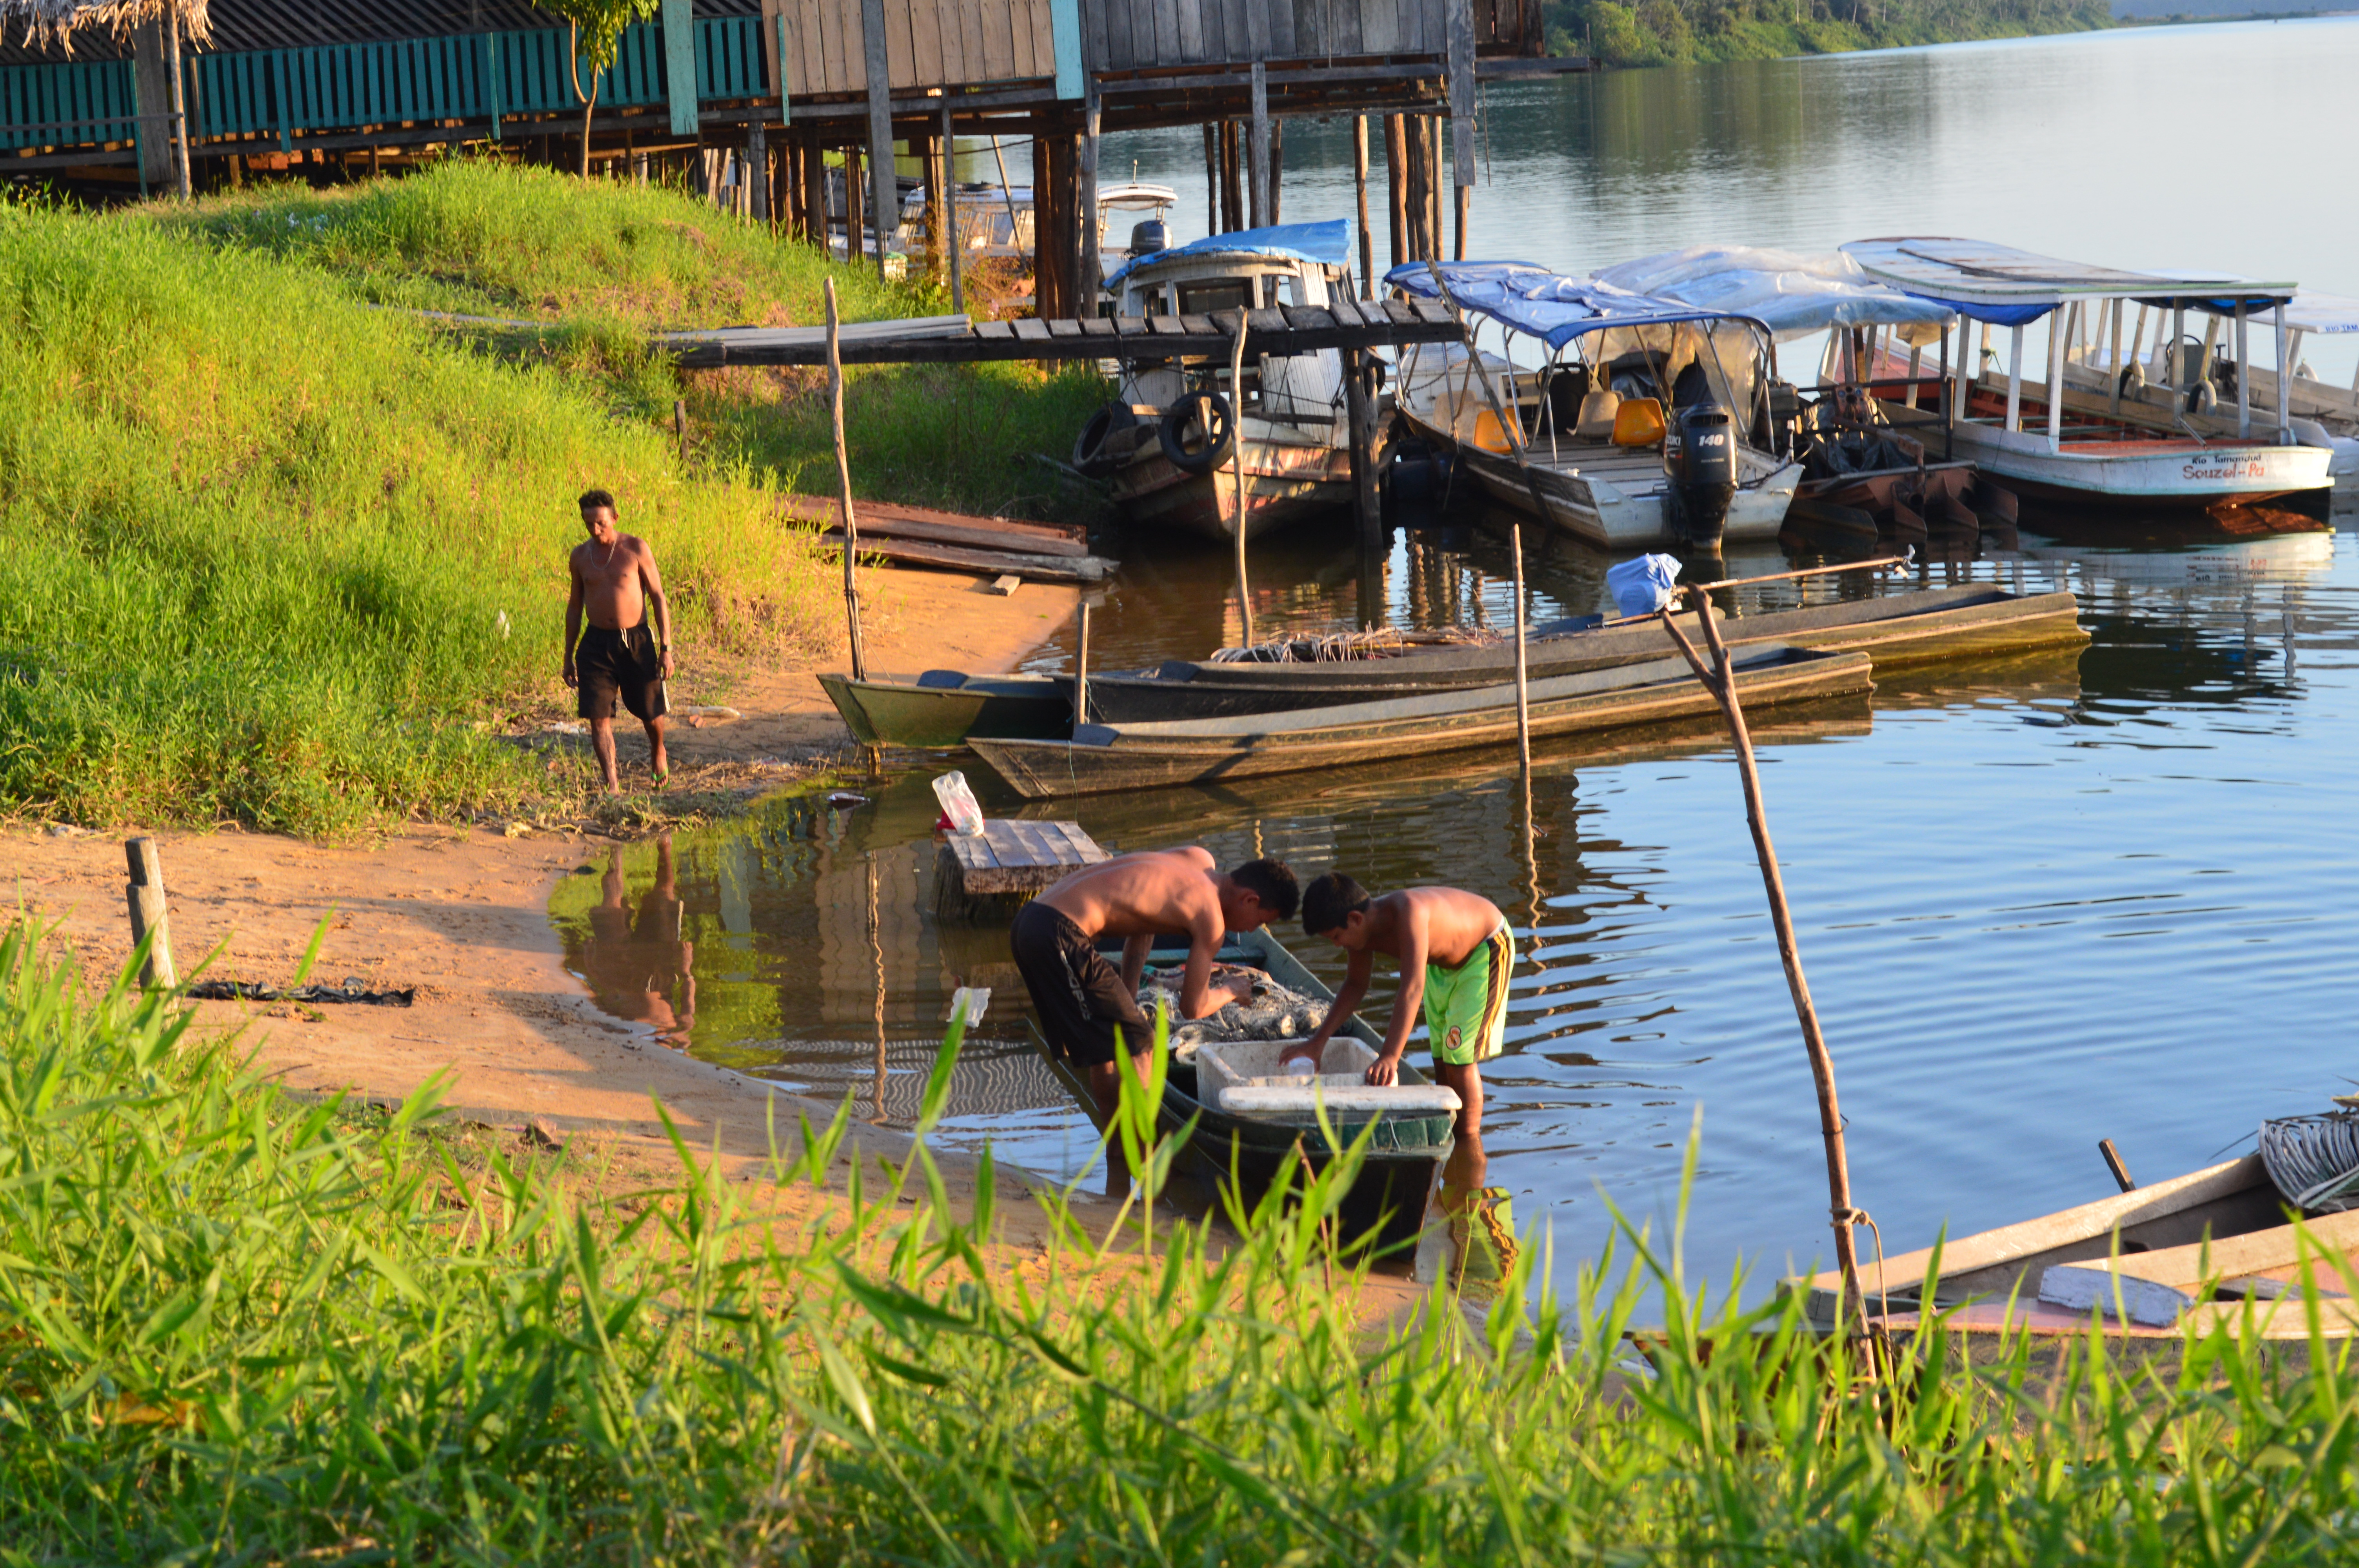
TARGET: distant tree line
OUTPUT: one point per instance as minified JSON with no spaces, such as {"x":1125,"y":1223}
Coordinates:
{"x":1656,"y":32}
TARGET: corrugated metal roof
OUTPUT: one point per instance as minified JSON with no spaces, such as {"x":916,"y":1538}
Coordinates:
{"x":239,"y":25}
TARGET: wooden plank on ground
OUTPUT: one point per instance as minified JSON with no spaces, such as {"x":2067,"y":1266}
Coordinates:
{"x":938,"y":527}
{"x":979,"y":563}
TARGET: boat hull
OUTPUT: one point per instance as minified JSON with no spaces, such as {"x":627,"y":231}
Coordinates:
{"x":941,"y":717}
{"x":1154,"y":756}
{"x":1288,"y":478}
{"x":2168,"y":472}
{"x":1930,"y":627}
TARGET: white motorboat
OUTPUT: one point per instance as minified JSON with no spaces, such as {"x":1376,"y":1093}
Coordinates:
{"x":1166,"y":443}
{"x":2049,"y":443}
{"x":1647,"y":421}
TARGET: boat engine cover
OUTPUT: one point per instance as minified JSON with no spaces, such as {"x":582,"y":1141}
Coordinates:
{"x":1146,"y":238}
{"x":1703,"y":476}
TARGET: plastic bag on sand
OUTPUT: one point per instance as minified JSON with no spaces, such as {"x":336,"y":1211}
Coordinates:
{"x":959,"y":802}
{"x":1639,"y":586}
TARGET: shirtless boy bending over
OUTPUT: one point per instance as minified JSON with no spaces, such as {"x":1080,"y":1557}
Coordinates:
{"x":615,"y":584}
{"x":1455,"y":952}
{"x":1085,"y":1007}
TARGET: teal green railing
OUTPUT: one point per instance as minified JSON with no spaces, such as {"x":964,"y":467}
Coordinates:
{"x":471,"y":77}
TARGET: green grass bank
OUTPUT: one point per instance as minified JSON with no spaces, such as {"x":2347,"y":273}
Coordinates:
{"x":279,"y":554}
{"x":235,"y":1328}
{"x":1665,"y":32}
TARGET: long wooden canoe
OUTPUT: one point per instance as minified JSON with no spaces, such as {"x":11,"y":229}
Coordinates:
{"x":1404,"y":1160}
{"x":2140,"y":1260}
{"x":1101,"y":757}
{"x":942,"y":707}
{"x":1895,"y":630}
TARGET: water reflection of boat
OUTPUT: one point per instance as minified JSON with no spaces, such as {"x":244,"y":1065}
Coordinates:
{"x":2280,"y":558}
{"x":1104,"y":757}
{"x":1405,"y":1154}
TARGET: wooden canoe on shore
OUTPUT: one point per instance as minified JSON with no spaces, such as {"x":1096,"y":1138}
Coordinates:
{"x":1151,"y":756}
{"x":1404,"y":1160}
{"x":1894,"y":630}
{"x":2196,"y":1251}
{"x":942,"y":707}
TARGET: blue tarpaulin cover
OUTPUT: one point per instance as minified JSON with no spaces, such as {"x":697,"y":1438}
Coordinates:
{"x":1642,"y":586}
{"x":1797,"y":295}
{"x":1328,"y":244}
{"x":1541,"y":304}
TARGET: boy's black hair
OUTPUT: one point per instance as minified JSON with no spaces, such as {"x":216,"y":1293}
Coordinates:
{"x":1270,"y":882}
{"x":1327,"y":900}
{"x":595,"y":498}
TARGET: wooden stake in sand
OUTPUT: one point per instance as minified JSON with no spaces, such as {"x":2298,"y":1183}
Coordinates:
{"x":149,"y":921}
{"x":844,"y":491}
{"x":1237,"y":457}
{"x":1720,"y":679}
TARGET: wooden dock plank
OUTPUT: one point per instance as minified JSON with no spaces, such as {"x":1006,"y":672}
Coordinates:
{"x":1000,"y":332}
{"x":1032,"y":330}
{"x":1064,"y":329}
{"x":1097,"y":327}
{"x":1166,"y":326}
{"x":1201,"y":326}
{"x":1013,"y":855}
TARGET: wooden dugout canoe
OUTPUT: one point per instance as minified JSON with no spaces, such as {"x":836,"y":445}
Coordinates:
{"x":1151,"y":756}
{"x":1404,"y":1157}
{"x":942,"y":707}
{"x":2148,"y":1252}
{"x":1931,"y":626}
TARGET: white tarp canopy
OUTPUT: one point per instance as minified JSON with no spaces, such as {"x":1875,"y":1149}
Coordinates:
{"x":2326,"y":314}
{"x":1797,"y":294}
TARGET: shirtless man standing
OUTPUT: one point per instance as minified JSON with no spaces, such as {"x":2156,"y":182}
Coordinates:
{"x":617,"y":583}
{"x":1455,"y":952}
{"x":1082,"y":1002}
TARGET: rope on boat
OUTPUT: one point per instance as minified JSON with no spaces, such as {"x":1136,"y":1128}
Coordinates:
{"x":2314,"y":1160}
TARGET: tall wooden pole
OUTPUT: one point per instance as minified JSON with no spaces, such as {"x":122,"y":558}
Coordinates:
{"x":1396,"y":186}
{"x":844,"y":491}
{"x":1360,"y":187}
{"x":1720,"y":679}
{"x":1211,"y":178}
{"x":180,"y":182}
{"x":884,"y":204}
{"x":955,"y":232}
{"x":1237,"y":446}
{"x":1257,"y":149}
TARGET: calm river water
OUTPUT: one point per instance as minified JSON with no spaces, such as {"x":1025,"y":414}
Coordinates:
{"x":2109,"y":896}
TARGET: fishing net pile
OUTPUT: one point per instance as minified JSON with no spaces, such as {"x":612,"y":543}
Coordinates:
{"x":1337,"y":647}
{"x":2314,"y":1160}
{"x":1273,"y":1012}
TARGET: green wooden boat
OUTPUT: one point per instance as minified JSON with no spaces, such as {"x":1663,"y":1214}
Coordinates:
{"x":942,"y":707}
{"x":1388,"y":1201}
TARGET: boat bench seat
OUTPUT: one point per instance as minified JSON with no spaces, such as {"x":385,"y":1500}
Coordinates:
{"x":942,"y":680}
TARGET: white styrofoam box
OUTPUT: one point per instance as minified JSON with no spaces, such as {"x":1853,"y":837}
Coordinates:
{"x":1242,"y":1077}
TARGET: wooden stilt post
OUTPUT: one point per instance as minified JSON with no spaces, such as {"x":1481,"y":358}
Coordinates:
{"x":884,"y":204}
{"x":1434,"y":186}
{"x":1277,"y":171}
{"x":853,"y":203}
{"x":1257,"y":154}
{"x":844,"y":491}
{"x":1459,"y":37}
{"x":757,"y":170}
{"x":1087,"y":285}
{"x":149,"y":917}
{"x":1360,"y":189}
{"x":1211,"y":178}
{"x":1237,"y":453}
{"x":181,"y":184}
{"x":954,"y":234}
{"x":921,"y":148}
{"x":1232,"y":179}
{"x":1359,"y":414}
{"x":1396,"y":186}
{"x":1720,"y":679}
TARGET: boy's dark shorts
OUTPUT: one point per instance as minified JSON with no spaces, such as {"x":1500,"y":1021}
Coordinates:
{"x":1080,"y":997}
{"x":612,"y":663}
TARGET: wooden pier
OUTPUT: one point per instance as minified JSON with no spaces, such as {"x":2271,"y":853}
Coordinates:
{"x":1007,"y":863}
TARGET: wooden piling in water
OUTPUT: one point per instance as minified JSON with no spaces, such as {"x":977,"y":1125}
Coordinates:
{"x":1359,"y":414}
{"x":1720,"y":679}
{"x":1397,"y":187}
{"x":1237,"y":459}
{"x":1211,"y":178}
{"x":150,"y":921}
{"x":1232,"y":198}
{"x":1276,"y":172}
{"x":1258,"y":173}
{"x":1092,"y":270}
{"x":1360,"y":190}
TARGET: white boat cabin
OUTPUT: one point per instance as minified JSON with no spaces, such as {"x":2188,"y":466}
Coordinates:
{"x":1254,"y":269}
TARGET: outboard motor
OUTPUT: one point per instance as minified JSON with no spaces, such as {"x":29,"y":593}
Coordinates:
{"x":1146,"y":238}
{"x":1704,"y":478}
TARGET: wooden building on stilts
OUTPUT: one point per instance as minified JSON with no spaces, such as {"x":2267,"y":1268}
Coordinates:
{"x":754,"y":97}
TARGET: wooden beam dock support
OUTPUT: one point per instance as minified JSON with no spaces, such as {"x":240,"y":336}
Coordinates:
{"x":1092,"y":270}
{"x":1397,"y":187}
{"x":955,"y":232}
{"x":1359,"y":188}
{"x":1258,"y":170}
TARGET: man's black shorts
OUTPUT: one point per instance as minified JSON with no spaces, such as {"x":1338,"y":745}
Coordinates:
{"x":625,"y":665}
{"x":1080,"y":997}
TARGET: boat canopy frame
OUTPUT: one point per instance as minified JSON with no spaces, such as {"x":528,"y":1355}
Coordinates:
{"x":2001,"y":285}
{"x":1559,"y":313}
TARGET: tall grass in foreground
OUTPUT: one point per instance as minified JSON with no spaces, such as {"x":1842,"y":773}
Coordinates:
{"x":613,"y":262}
{"x":238,"y":1328}
{"x":271,"y":557}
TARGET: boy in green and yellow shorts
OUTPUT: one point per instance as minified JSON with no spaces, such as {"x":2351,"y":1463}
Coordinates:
{"x":1455,"y":954}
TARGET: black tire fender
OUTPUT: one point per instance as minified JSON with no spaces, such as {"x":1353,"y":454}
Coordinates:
{"x":1089,"y":454}
{"x":1197,"y":432}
